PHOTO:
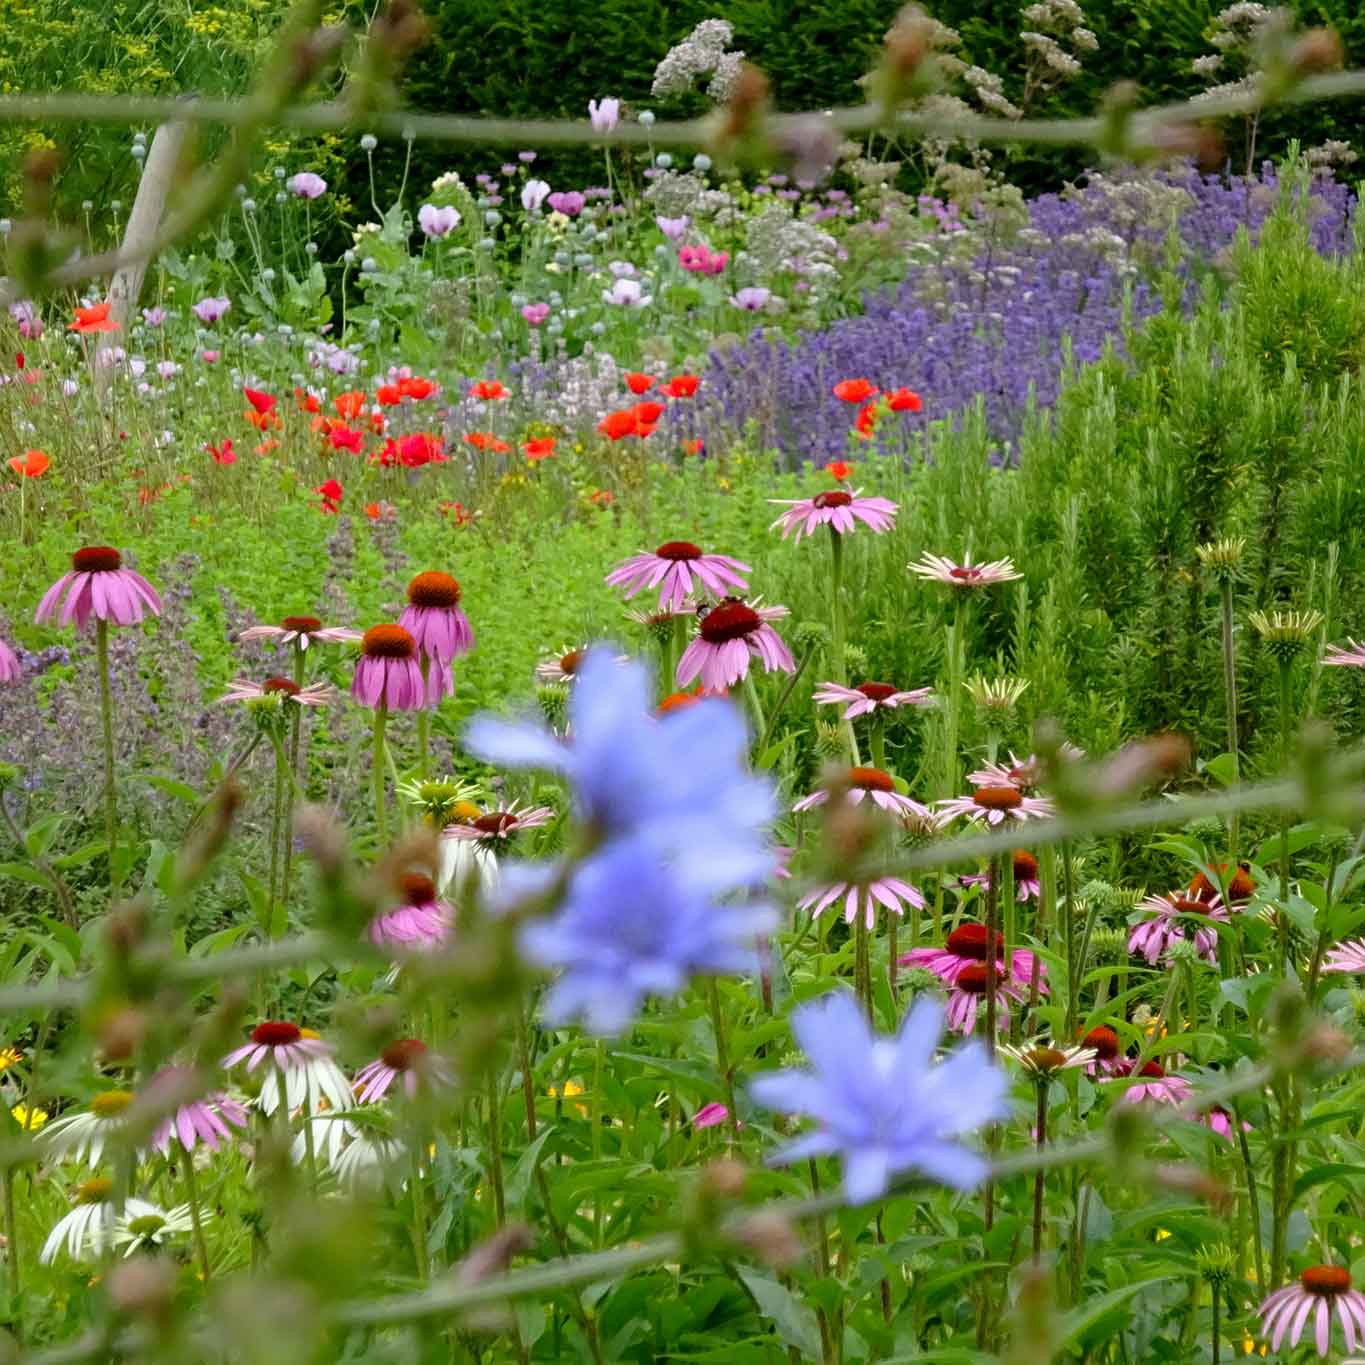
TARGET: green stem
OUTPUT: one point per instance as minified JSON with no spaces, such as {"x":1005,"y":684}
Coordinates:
{"x":12,"y":1243}
{"x":424,"y":726}
{"x":197,"y":1223}
{"x":107,"y":721}
{"x":528,"y":1082}
{"x":862,"y":963}
{"x":1286,"y":722}
{"x":295,"y":725}
{"x":952,"y":700}
{"x":381,"y":813}
{"x":877,"y":739}
{"x":1217,"y":1345}
{"x":276,"y":820}
{"x":722,"y":1049}
{"x":419,"y":1209}
{"x":1230,"y":704}
{"x":1040,"y":1176}
{"x":838,"y":664}
{"x":1253,"y":1197}
{"x":1068,"y":909}
{"x":495,"y":1147}
{"x":784,"y":697}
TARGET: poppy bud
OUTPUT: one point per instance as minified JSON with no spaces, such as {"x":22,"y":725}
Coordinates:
{"x":1317,"y":50}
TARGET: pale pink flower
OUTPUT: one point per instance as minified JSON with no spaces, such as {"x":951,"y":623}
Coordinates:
{"x":863,"y":898}
{"x":500,"y":825}
{"x":315,"y":694}
{"x":1024,"y":773}
{"x":1154,"y":937}
{"x":710,"y":1115}
{"x":872,"y":783}
{"x":1154,"y":1084}
{"x":1321,"y":1289}
{"x":966,"y":947}
{"x":836,"y":508}
{"x":1353,"y":656}
{"x":1346,"y":957}
{"x":9,"y":664}
{"x":673,"y":567}
{"x":729,"y":636}
{"x":209,"y":1119}
{"x":420,"y":923}
{"x":995,"y":805}
{"x":1219,"y":1121}
{"x":870,"y":696}
{"x":966,"y":574}
{"x":302,"y":631}
{"x":98,"y":585}
{"x":408,"y":1058}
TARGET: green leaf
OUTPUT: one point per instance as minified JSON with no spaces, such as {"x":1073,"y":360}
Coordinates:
{"x":1332,"y":1170}
{"x":182,"y":791}
{"x":22,"y":872}
{"x":519,"y":1182}
{"x":796,"y":1323}
{"x":1080,"y":1320}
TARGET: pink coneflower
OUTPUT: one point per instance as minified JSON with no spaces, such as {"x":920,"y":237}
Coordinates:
{"x":857,"y":783}
{"x":672,"y":569}
{"x":299,"y":1067}
{"x":837,"y":508}
{"x":863,"y":898}
{"x":1320,"y":1290}
{"x":98,"y":585}
{"x":995,"y":805}
{"x":434,"y":619}
{"x":388,"y":673}
{"x":870,"y":696}
{"x":1024,"y":773}
{"x":1154,"y":1084}
{"x":1346,"y":957}
{"x":1108,"y":1051}
{"x":562,"y":667}
{"x":406,"y":1057}
{"x":968,"y":993}
{"x":209,"y":1119}
{"x":302,"y":631}
{"x":729,"y":635}
{"x":1220,"y":1121}
{"x":966,"y":947}
{"x":420,"y":923}
{"x":1154,"y":937}
{"x":500,"y":825}
{"x":966,"y":574}
{"x":315,"y":694}
{"x":1026,"y":885}
{"x":9,"y":664}
{"x":1353,"y":656}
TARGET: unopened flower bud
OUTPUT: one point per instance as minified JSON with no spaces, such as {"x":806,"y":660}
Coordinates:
{"x":1319,"y":49}
{"x":494,"y":1255}
{"x":725,"y":1178}
{"x":771,"y":1238}
{"x":1328,"y":1044}
{"x":143,"y":1287}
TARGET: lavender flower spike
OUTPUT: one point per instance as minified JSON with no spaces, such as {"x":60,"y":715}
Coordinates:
{"x":882,"y":1104}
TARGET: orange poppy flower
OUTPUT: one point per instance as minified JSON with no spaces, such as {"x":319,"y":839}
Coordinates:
{"x":30,"y":465}
{"x":485,"y":440}
{"x":540,"y":448}
{"x":637,"y":382}
{"x":489,"y":389}
{"x":389,"y":395}
{"x":349,"y":405}
{"x":838,"y":469}
{"x":619,"y":424}
{"x":866,"y":421}
{"x":904,"y":400}
{"x":682,"y":386}
{"x":697,"y":447}
{"x":855,"y":390}
{"x":94,"y":319}
{"x":309,"y":402}
{"x":262,"y":421}
{"x":602,"y":497}
{"x":416,"y":387}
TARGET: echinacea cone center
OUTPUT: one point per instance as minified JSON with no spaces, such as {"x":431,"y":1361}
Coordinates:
{"x":433,"y":589}
{"x":96,"y":559}
{"x":874,"y":691}
{"x":1105,"y":1042}
{"x":568,"y":663}
{"x":731,"y":620}
{"x":495,"y":822}
{"x":403,"y":1054}
{"x":997,"y":798}
{"x":1185,"y":906}
{"x":417,"y":889}
{"x":871,"y":780}
{"x":285,"y":685}
{"x":965,"y":573}
{"x":111,"y":1104}
{"x":834,"y":497}
{"x":678,"y":549}
{"x":1154,"y":1071}
{"x":94,"y":1191}
{"x":969,"y":940}
{"x":1045,"y":1059}
{"x":1025,"y":866}
{"x":388,"y":642}
{"x":1326,"y":1279}
{"x":147,"y":1225}
{"x":303,"y":625}
{"x":276,"y":1033}
{"x":973,"y":979}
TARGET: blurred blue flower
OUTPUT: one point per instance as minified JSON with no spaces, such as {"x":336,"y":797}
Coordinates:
{"x":679,"y":782}
{"x":882,"y":1103}
{"x":630,"y":927}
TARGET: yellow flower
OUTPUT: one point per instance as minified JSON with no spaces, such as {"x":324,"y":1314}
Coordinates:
{"x":30,"y":1120}
{"x":9,"y":1057}
{"x":1249,"y":1347}
{"x":567,"y":1091}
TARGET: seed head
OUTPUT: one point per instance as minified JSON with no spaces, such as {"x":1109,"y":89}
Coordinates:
{"x":1223,"y":557}
{"x":1286,"y":634}
{"x":996,"y":697}
{"x":1216,"y":1264}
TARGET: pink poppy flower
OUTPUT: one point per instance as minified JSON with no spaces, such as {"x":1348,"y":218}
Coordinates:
{"x":729,"y":636}
{"x":98,"y":585}
{"x":675,"y":568}
{"x":836,"y":508}
{"x":870,"y":696}
{"x":1154,"y":936}
{"x":878,"y":786}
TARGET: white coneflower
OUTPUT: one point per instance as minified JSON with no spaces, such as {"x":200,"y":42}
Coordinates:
{"x":86,"y":1228}
{"x":83,"y":1136}
{"x":370,"y":1160}
{"x":149,"y":1228}
{"x":1042,"y":1060}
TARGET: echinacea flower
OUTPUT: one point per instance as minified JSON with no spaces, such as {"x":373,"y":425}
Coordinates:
{"x":93,"y":319}
{"x":1026,"y":885}
{"x":209,"y":1119}
{"x":1346,"y":957}
{"x":881,"y":1103}
{"x":995,"y":805}
{"x":1044,"y":1060}
{"x":1218,"y":1120}
{"x":870,"y":696}
{"x":966,"y":574}
{"x":498,"y":826}
{"x":435,"y":619}
{"x":966,"y":948}
{"x":856,"y":783}
{"x":1321,"y":1291}
{"x":98,"y":585}
{"x":836,"y":508}
{"x":1153,"y":1084}
{"x":1352,"y":656}
{"x":1104,"y":1043}
{"x":967,"y":994}
{"x":1154,"y":936}
{"x":302,"y":631}
{"x":562,"y":667}
{"x":677,"y":568}
{"x":1025,"y":773}
{"x":150,"y":1228}
{"x":407,"y":1058}
{"x":863,"y":898}
{"x":1241,"y":885}
{"x":729,"y":636}
{"x":299,"y":1068}
{"x":84,"y":1135}
{"x":284,"y":690}
{"x":388,"y":673}
{"x":85,"y":1229}
{"x":420,"y":922}
{"x":10,"y":670}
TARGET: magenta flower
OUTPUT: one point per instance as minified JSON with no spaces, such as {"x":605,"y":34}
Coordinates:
{"x":307,"y":185}
{"x":9,"y":664}
{"x":863,"y":898}
{"x":282,"y":1043}
{"x":995,"y":805}
{"x":388,"y":673}
{"x":1218,"y":1120}
{"x":966,"y":948}
{"x":966,"y":574}
{"x":208,"y":311}
{"x":729,"y":636}
{"x":1153,"y":937}
{"x":837,"y":508}
{"x":1104,"y":1043}
{"x":967,"y":994}
{"x":535,"y":313}
{"x":98,"y":585}
{"x":301,"y":631}
{"x":407,"y":1057}
{"x":870,"y":696}
{"x":1024,"y":773}
{"x":315,"y":694}
{"x":568,"y":202}
{"x":1026,"y":885}
{"x":711,"y":1115}
{"x":209,"y":1120}
{"x":435,"y":619}
{"x":1321,"y":1290}
{"x":673,"y":567}
{"x":420,"y":923}
{"x":872,"y":783}
{"x":1154,"y":1084}
{"x":1346,"y":957}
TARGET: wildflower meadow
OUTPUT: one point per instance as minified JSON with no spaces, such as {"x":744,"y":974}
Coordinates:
{"x":713,"y":732}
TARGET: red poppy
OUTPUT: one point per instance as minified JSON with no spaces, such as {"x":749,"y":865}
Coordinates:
{"x":602,"y":497}
{"x":866,"y":421}
{"x":416,"y":387}
{"x":346,"y":438}
{"x":266,"y":446}
{"x":697,"y":447}
{"x":489,"y":389}
{"x":904,"y":400}
{"x":350,"y":404}
{"x":854,"y":390}
{"x":262,"y":421}
{"x":30,"y":465}
{"x":262,"y":402}
{"x":94,"y":319}
{"x":637,"y":382}
{"x":838,"y":469}
{"x":378,"y":422}
{"x":485,"y":440}
{"x":223,"y":454}
{"x":19,"y":360}
{"x":309,"y":402}
{"x":682,"y":386}
{"x":646,"y":414}
{"x":540,"y":448}
{"x":619,"y":424}
{"x":389,"y":395}
{"x":457,"y":512}
{"x":419,"y":449}
{"x":381,"y":511}
{"x":332,"y":493}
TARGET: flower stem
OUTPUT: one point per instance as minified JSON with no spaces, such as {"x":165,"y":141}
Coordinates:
{"x":276,"y":821}
{"x":424,"y":725}
{"x":495,"y":1147}
{"x":1073,"y":990}
{"x":107,"y":720}
{"x":1253,"y":1198}
{"x":862,"y":963}
{"x":295,"y":724}
{"x":528,"y":1083}
{"x":838,"y":663}
{"x":722,"y":1049}
{"x":877,"y":739}
{"x":197,"y":1223}
{"x":381,"y":814}
{"x":1230,"y":703}
{"x":12,"y":1241}
{"x":1040,"y":1176}
{"x":952,"y":701}
{"x":1286,"y":722}
{"x":1217,"y":1345}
